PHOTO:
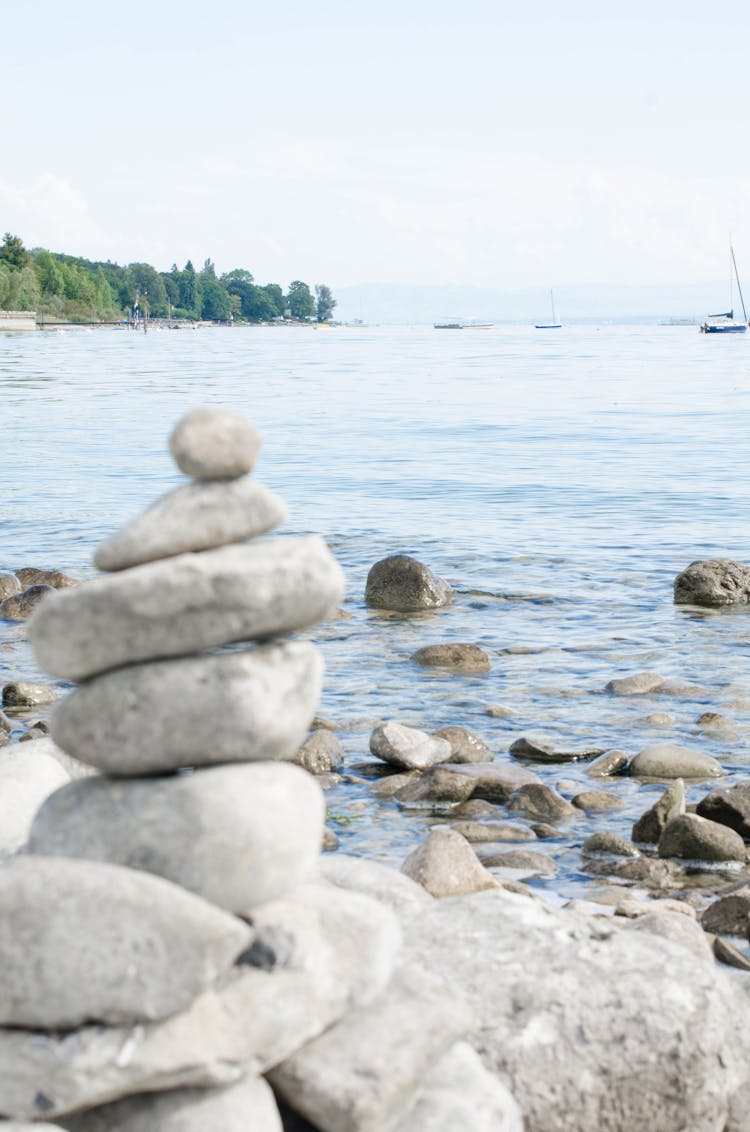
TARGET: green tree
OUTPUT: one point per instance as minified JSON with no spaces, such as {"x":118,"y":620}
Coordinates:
{"x":48,"y":273}
{"x":13,"y":251}
{"x":191,"y":292}
{"x":276,"y":298}
{"x":324,"y":302}
{"x":146,"y":282}
{"x":217,"y":303}
{"x":300,"y":301}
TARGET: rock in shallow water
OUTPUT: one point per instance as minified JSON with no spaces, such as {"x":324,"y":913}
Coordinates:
{"x":650,"y":826}
{"x":695,"y":838}
{"x":670,"y":760}
{"x":210,"y":443}
{"x":446,"y":865}
{"x":459,"y":657}
{"x":9,"y":585}
{"x":403,"y":584}
{"x":19,"y":607}
{"x":185,"y":604}
{"x":407,"y":748}
{"x":320,"y":753}
{"x":715,"y":583}
{"x":229,"y":707}
{"x":236,"y":835}
{"x":729,"y":805}
{"x":197,"y":516}
{"x":22,"y":693}
{"x":84,"y":941}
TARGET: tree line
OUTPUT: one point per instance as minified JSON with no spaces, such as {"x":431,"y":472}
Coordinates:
{"x":74,"y":289}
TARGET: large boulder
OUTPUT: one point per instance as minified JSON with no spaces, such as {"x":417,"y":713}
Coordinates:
{"x":82,"y":941}
{"x":235,"y":835}
{"x":196,"y":516}
{"x":255,"y":704}
{"x":185,"y":604}
{"x":729,"y":805}
{"x":714,"y":583}
{"x":403,"y":584}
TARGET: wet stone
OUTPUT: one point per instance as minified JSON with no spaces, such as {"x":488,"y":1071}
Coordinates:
{"x":729,"y":915}
{"x":438,"y":785}
{"x":693,"y":837}
{"x":459,"y":657}
{"x":390,"y":784}
{"x":498,"y":711}
{"x":729,"y":805}
{"x":405,"y":585}
{"x":647,"y":871}
{"x":407,"y":748}
{"x":660,"y":719}
{"x":714,"y":721}
{"x":609,"y":843}
{"x":543,"y":750}
{"x":638,"y":684}
{"x":537,"y":800}
{"x":597,"y":800}
{"x":494,"y":782}
{"x":714,"y":583}
{"x":24,"y":694}
{"x":727,"y":953}
{"x":33,"y":576}
{"x":609,"y":763}
{"x":476,"y":808}
{"x":670,"y":760}
{"x":650,"y":826}
{"x":481,"y":831}
{"x":320,"y":753}
{"x":19,"y":607}
{"x":532,"y":864}
{"x":466,"y":747}
{"x":9,"y":585}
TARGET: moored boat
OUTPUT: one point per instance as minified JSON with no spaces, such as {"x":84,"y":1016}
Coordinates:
{"x":725,"y":323}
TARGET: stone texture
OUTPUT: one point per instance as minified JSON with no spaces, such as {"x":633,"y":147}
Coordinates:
{"x":538,"y":749}
{"x":22,"y":693}
{"x":236,"y":835}
{"x":196,"y":516}
{"x":403,"y":584}
{"x":681,"y":929}
{"x":492,"y":782}
{"x":717,"y":582}
{"x":695,"y":838}
{"x":18,"y":607}
{"x":670,"y":760}
{"x":347,"y":1080}
{"x":466,"y":747}
{"x":210,"y":443}
{"x":610,"y":843}
{"x":650,"y":826}
{"x":446,"y":865}
{"x":637,"y":684}
{"x":478,"y":832}
{"x":537,"y":800}
{"x":460,"y":1095}
{"x":25,"y":782}
{"x":320,"y":753}
{"x":407,"y":748}
{"x":729,"y":805}
{"x":525,"y":860}
{"x":255,"y":704}
{"x":9,"y":585}
{"x":437,"y":788}
{"x":248,"y":1106}
{"x":70,"y":953}
{"x":579,"y":1034}
{"x":459,"y":657}
{"x":609,"y":763}
{"x":597,"y":800}
{"x":729,"y":915}
{"x":370,"y":878}
{"x":35,"y":576}
{"x":727,"y":953}
{"x":185,"y":604}
{"x":318,"y":954}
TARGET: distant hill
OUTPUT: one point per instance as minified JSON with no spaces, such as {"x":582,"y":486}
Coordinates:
{"x":399,"y":303}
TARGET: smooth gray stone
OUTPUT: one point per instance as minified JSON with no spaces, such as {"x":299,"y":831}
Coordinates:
{"x":211,"y":443}
{"x":729,"y":805}
{"x":319,"y":954}
{"x":185,"y":604}
{"x":26,"y":781}
{"x":196,"y":516}
{"x":695,"y":838}
{"x":236,"y":835}
{"x":407,"y":748}
{"x":248,"y":1106}
{"x":245,"y":706}
{"x":446,"y":865}
{"x":458,"y":657}
{"x":348,"y":1079}
{"x":637,"y":684}
{"x":670,"y":760}
{"x":565,"y":999}
{"x":729,"y":914}
{"x":537,"y":800}
{"x":650,"y":825}
{"x":460,"y":1095}
{"x":81,"y":941}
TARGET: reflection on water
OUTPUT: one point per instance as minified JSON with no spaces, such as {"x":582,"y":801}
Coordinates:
{"x":558,"y":487}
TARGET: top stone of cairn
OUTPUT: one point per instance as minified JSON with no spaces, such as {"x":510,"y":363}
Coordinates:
{"x":214,"y":444}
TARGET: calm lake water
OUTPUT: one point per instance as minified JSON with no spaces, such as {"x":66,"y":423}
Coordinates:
{"x":559,"y":480}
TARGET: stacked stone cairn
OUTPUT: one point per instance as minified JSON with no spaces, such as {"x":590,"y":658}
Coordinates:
{"x":166,"y":948}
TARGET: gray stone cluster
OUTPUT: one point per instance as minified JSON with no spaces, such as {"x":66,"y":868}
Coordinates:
{"x":171,"y":960}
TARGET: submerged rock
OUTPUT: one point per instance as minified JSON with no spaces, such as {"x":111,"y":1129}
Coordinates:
{"x":34,"y":576}
{"x":638,"y":684}
{"x":537,"y":800}
{"x":713,"y":583}
{"x":403,"y":584}
{"x":461,"y":658}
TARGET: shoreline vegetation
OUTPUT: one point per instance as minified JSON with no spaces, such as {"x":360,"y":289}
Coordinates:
{"x":70,"y":289}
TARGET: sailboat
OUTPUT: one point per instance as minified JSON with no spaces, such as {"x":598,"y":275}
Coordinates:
{"x":725,"y":323}
{"x":554,"y":325}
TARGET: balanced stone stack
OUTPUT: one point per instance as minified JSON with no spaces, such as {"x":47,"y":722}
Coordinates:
{"x":163,"y":942}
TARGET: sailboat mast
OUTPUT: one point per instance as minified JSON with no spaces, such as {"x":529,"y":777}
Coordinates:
{"x":737,"y":277}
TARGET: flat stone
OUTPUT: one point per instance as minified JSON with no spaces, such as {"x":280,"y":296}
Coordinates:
{"x":714,"y":583}
{"x":251,"y":705}
{"x":638,"y":684}
{"x":19,"y":607}
{"x":609,"y":763}
{"x":22,"y":693}
{"x":185,"y":604}
{"x":214,"y":444}
{"x":478,"y":808}
{"x":492,"y":782}
{"x":25,"y":782}
{"x":391,"y":784}
{"x":196,"y":516}
{"x":437,"y":786}
{"x":459,"y":657}
{"x":670,"y":760}
{"x":320,"y":753}
{"x":466,"y":747}
{"x":729,"y":915}
{"x":70,"y":953}
{"x":407,"y":748}
{"x":238,"y":835}
{"x":543,"y":751}
{"x":317,"y":955}
{"x":646,"y":871}
{"x":727,"y":953}
{"x":537,"y":800}
{"x":610,"y":843}
{"x":650,"y":826}
{"x":499,"y":711}
{"x":403,"y":584}
{"x":249,"y":1104}
{"x":531,"y":863}
{"x":482,"y":831}
{"x":9,"y":585}
{"x":729,"y":805}
{"x":35,"y":576}
{"x":348,"y":1080}
{"x":446,"y":865}
{"x":458,"y":1094}
{"x":597,"y":800}
{"x":695,"y":838}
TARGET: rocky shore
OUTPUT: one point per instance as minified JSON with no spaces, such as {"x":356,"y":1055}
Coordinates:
{"x":179,"y":955}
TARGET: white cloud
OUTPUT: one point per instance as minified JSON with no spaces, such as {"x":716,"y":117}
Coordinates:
{"x":50,"y":212}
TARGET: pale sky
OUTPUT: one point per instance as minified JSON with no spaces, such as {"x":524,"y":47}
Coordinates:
{"x":507,"y":144}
